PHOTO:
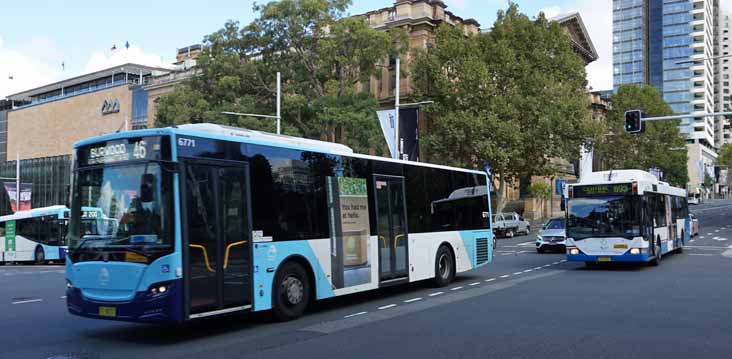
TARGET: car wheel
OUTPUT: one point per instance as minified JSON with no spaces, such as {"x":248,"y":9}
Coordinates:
{"x":444,"y":267}
{"x":291,"y":292}
{"x":509,"y":233}
{"x":40,"y":255}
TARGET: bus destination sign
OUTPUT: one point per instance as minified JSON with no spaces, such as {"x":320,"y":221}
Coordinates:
{"x":131,"y":149}
{"x":603,"y":190}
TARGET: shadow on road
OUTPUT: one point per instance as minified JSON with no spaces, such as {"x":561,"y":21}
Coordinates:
{"x":174,"y":334}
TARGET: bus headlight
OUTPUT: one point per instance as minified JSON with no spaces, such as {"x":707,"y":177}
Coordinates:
{"x":635,"y":251}
{"x":69,"y":285}
{"x":573,"y":251}
{"x":159,"y":289}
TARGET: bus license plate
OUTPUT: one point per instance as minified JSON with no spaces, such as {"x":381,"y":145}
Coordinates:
{"x":107,"y":311}
{"x":604,"y":259}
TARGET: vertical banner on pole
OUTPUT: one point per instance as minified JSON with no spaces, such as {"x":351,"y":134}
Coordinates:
{"x":25,"y":196}
{"x":409,"y":133}
{"x":387,"y":119}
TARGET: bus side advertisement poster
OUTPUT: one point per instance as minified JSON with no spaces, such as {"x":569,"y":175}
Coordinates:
{"x":128,"y":149}
{"x":10,"y":236}
{"x":603,"y":190}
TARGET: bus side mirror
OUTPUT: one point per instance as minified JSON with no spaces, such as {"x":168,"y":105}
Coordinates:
{"x":147,"y":188}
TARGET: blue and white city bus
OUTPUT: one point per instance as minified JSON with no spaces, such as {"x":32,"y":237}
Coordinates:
{"x":210,"y":220}
{"x":36,"y":235}
{"x":625,"y":216}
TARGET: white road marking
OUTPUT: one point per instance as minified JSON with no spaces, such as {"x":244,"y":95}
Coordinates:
{"x":555,"y":263}
{"x":710,"y":234}
{"x":412,"y":300}
{"x":702,"y":254}
{"x":505,"y":276}
{"x":537,"y":268}
{"x":355,"y":314}
{"x":702,"y":237}
{"x":722,"y":239}
{"x":28,"y":301}
{"x":457,"y":288}
{"x":492,"y":279}
{"x":63,"y":297}
{"x":517,"y":273}
{"x":526,"y":244}
{"x":693,"y":240}
{"x":436,"y":294}
{"x":528,"y":270}
{"x":562,"y":261}
{"x":474,"y":284}
{"x":546,"y":265}
{"x":387,"y":307}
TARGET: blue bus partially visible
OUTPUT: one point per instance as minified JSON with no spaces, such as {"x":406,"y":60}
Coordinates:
{"x":208,"y":220}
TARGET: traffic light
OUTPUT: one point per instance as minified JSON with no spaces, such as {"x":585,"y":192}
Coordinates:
{"x":634,"y":121}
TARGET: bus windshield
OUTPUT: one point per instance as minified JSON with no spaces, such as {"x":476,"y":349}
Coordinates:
{"x":133,"y":206}
{"x":614,"y":216}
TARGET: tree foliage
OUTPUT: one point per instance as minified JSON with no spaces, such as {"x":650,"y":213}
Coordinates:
{"x":661,"y":145}
{"x":515,"y":97}
{"x":725,"y":157}
{"x":322,"y":55}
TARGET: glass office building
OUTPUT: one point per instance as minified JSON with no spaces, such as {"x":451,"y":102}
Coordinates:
{"x":655,"y":42}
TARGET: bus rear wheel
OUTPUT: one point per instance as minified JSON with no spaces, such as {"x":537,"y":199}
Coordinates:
{"x":291,"y":292}
{"x":40,"y":256}
{"x":444,"y":267}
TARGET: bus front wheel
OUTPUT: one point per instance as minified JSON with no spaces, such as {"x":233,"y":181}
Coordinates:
{"x":40,"y":255}
{"x":444,"y":267}
{"x":657,"y":253}
{"x":291,"y":293}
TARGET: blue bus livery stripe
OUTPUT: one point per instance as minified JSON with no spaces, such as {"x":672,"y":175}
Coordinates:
{"x":627,"y":257}
{"x":266,"y":260}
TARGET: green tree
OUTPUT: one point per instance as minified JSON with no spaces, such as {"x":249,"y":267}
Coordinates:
{"x":515,"y":97}
{"x":322,"y":55}
{"x":661,"y":145}
{"x":725,"y":160}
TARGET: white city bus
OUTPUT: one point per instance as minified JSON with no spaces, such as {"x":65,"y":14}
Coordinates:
{"x":36,"y":235}
{"x":625,"y":216}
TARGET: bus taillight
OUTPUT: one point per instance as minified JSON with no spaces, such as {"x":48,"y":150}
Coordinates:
{"x":635,"y":187}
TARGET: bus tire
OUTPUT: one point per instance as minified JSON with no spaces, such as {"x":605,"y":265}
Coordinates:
{"x":444,"y":267}
{"x":40,"y":256}
{"x":656,"y":253}
{"x":679,"y":246}
{"x":291,"y":292}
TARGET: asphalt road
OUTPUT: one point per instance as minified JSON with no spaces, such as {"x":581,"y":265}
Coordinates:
{"x":524,"y":305}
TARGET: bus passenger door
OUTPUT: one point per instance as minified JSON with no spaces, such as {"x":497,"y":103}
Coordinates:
{"x":216,"y":233}
{"x":391,"y":224}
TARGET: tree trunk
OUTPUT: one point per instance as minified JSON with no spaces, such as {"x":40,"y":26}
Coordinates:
{"x":500,"y":195}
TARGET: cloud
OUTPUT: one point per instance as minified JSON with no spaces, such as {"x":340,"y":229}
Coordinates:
{"x":109,"y":58}
{"x":22,"y":69}
{"x":551,"y":11}
{"x":600,"y":27}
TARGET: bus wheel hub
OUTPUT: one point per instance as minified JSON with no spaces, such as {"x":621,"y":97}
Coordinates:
{"x":293,"y":289}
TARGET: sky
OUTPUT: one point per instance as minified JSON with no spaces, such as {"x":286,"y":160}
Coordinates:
{"x":44,"y":41}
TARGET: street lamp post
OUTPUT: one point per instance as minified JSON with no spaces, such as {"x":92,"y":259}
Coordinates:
{"x":277,"y":117}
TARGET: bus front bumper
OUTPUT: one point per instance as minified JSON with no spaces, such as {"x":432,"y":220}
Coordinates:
{"x":624,"y":258}
{"x":143,"y":307}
